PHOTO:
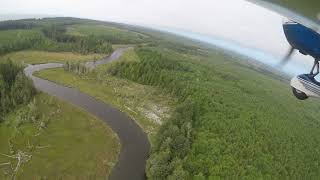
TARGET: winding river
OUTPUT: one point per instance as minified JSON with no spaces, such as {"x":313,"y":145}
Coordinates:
{"x":134,"y":142}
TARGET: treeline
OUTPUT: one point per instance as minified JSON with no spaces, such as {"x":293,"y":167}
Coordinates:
{"x":172,"y":144}
{"x":33,"y":23}
{"x":80,"y":44}
{"x":29,"y":41}
{"x":175,"y":137}
{"x":122,"y":39}
{"x":77,"y":68}
{"x":15,"y":88}
{"x":56,"y":32}
{"x":19,"y":24}
{"x":49,"y":34}
{"x":158,"y":70}
{"x":58,"y":42}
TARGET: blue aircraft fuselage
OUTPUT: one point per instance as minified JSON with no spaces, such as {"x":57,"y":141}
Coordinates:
{"x":304,"y":39}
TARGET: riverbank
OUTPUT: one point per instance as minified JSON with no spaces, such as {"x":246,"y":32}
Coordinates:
{"x":134,"y":142}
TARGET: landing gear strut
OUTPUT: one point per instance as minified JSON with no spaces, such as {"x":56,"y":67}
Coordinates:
{"x":315,"y":65}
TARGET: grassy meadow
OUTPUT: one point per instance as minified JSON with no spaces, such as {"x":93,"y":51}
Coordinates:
{"x":58,"y":141}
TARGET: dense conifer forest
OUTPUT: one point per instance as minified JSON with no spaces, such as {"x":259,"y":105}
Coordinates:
{"x":16,"y":89}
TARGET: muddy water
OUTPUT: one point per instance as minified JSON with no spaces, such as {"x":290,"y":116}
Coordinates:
{"x":134,"y":142}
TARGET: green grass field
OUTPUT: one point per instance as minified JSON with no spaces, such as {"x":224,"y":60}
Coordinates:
{"x":60,"y":141}
{"x":147,"y":105}
{"x":40,"y":57}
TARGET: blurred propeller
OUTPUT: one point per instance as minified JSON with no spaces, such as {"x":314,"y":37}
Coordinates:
{"x":286,"y":59}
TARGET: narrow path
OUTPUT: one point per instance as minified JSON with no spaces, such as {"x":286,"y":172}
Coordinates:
{"x":134,"y":142}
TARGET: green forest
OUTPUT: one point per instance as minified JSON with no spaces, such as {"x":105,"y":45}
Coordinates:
{"x":229,"y":123}
{"x":54,"y":34}
{"x":16,"y":89}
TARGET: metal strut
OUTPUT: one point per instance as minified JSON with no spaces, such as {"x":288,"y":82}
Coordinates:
{"x":315,"y":65}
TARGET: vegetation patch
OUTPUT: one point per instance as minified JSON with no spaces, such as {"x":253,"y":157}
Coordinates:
{"x":112,"y":34}
{"x":231,"y":122}
{"x":15,"y":88}
{"x":16,"y":40}
{"x":8,"y":36}
{"x":49,"y":139}
{"x":54,"y":35}
{"x":41,"y":57}
{"x":147,"y":105}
